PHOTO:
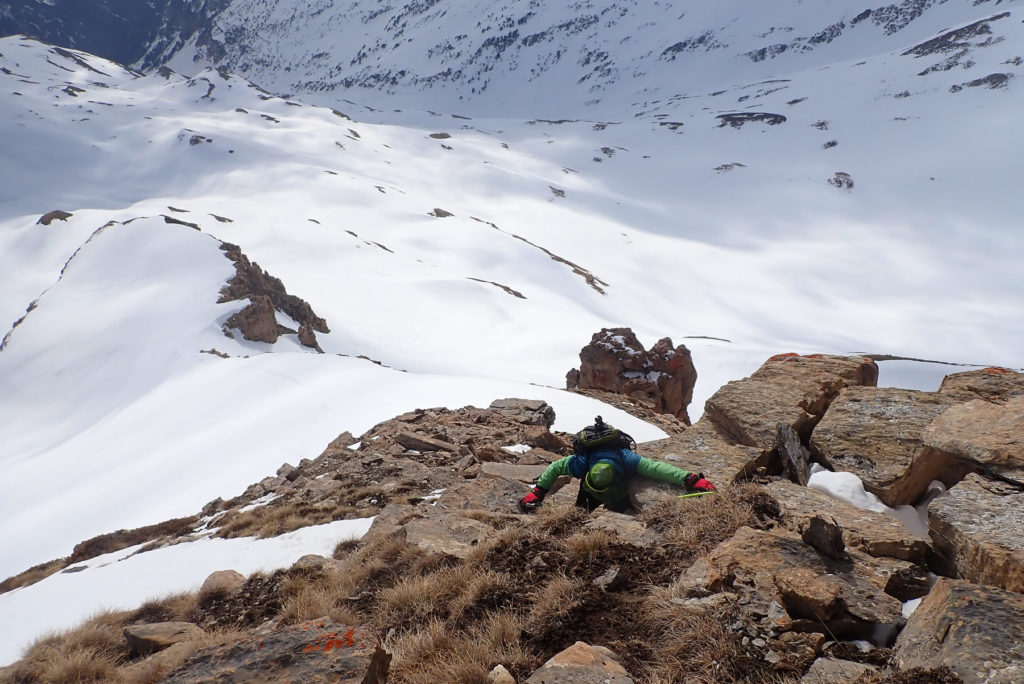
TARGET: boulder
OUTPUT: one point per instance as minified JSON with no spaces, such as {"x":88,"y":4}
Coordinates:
{"x":146,"y":639}
{"x":976,"y":631}
{"x":447,"y":534}
{"x":221,"y":583}
{"x":877,"y":434}
{"x":876,"y":534}
{"x":626,"y":528}
{"x":981,"y":433}
{"x":418,"y":442}
{"x":979,"y":526}
{"x":257,"y":321}
{"x":832,"y":671}
{"x":997,"y":385}
{"x":581,"y":664}
{"x":316,"y":651}
{"x":500,"y":675}
{"x":707,"y":449}
{"x":492,"y":494}
{"x":788,"y":389}
{"x":55,"y":215}
{"x":526,"y":411}
{"x":615,"y":361}
{"x":848,"y":598}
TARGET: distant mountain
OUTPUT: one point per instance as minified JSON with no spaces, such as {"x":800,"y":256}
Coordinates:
{"x":492,"y":58}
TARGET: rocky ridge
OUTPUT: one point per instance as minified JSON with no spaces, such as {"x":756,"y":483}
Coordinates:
{"x":443,"y":485}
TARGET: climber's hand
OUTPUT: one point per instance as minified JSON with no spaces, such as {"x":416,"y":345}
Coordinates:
{"x":533,"y":499}
{"x":695,"y":482}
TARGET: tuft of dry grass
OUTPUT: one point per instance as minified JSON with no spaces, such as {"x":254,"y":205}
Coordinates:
{"x":179,"y":607}
{"x":36,"y":573}
{"x":274,"y":520}
{"x":90,"y":652}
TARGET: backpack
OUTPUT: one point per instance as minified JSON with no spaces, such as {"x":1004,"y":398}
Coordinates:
{"x":600,"y":435}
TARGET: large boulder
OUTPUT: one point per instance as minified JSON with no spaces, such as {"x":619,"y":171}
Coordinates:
{"x":705,"y":448}
{"x":316,"y":651}
{"x":849,"y":598}
{"x":876,"y":534}
{"x":979,"y":526}
{"x":997,"y":385}
{"x":788,"y":389}
{"x":581,"y":664}
{"x":980,"y":433}
{"x":615,"y":361}
{"x":833,"y":671}
{"x":877,"y":433}
{"x":977,"y":631}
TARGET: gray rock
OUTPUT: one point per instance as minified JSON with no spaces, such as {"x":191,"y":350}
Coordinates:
{"x":221,"y":583}
{"x":832,"y":671}
{"x":977,"y":631}
{"x":979,"y":526}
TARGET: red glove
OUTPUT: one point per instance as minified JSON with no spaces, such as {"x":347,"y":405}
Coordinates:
{"x":533,"y":499}
{"x":695,"y":482}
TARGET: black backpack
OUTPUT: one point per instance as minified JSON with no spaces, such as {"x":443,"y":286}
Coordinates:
{"x":601,"y":435}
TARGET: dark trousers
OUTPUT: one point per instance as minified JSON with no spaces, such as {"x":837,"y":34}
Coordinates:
{"x":588,"y":502}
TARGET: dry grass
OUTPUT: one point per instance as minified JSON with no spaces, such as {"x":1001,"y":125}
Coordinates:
{"x":179,"y":607}
{"x":90,"y":652}
{"x":272,"y":521}
{"x":34,"y":574}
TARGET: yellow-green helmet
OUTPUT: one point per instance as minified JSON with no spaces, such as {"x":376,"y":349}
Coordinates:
{"x":600,"y":476}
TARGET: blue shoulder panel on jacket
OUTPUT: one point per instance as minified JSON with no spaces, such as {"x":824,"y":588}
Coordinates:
{"x":625,"y":461}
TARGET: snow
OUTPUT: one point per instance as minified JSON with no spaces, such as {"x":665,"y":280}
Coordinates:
{"x":126,"y":579}
{"x":111,"y":416}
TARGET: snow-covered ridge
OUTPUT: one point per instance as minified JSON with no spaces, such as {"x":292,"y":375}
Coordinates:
{"x":535,"y":58}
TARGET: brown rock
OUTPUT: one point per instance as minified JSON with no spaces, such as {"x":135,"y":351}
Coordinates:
{"x":977,"y":631}
{"x":877,"y":434}
{"x":499,"y":675}
{"x":984,"y":433}
{"x":847,"y":599}
{"x":825,"y":536}
{"x":55,"y":215}
{"x":832,"y":671}
{"x":495,"y":495}
{"x":418,"y":442}
{"x":979,"y":526}
{"x":581,"y":664}
{"x":706,"y":449}
{"x":317,"y":651}
{"x":788,"y":389}
{"x":257,"y":321}
{"x":876,"y":534}
{"x":997,"y":385}
{"x":146,"y":639}
{"x":615,"y":361}
{"x":446,"y":534}
{"x":626,"y":528}
{"x":221,"y":583}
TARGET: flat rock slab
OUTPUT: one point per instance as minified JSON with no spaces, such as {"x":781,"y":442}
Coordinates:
{"x":979,"y":526}
{"x":977,"y":631}
{"x":984,"y":433}
{"x":876,"y":534}
{"x":581,"y":664}
{"x":788,"y":389}
{"x":997,"y":385}
{"x":843,"y":597}
{"x":877,"y":433}
{"x":450,"y":535}
{"x":626,"y":528}
{"x":494,"y":494}
{"x":314,"y":651}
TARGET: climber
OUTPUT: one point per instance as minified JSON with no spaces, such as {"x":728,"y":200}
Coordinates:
{"x":604,"y":463}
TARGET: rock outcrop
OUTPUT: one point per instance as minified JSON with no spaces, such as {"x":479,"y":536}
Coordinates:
{"x":266,"y":294}
{"x":582,"y":664}
{"x":976,"y":631}
{"x":150,"y":638}
{"x":978,"y":527}
{"x":615,"y":361}
{"x":791,"y":390}
{"x":877,"y":434}
{"x":997,"y":385}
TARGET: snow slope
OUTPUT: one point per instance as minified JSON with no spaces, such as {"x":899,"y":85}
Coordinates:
{"x":732,"y":240}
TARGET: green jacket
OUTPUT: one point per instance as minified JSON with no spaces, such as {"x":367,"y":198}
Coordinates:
{"x":618,"y":491}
